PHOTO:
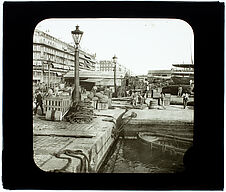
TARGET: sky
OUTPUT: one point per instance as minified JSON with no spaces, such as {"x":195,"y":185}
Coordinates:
{"x":139,"y":44}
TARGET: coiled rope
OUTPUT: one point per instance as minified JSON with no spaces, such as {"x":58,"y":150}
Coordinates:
{"x":75,"y":154}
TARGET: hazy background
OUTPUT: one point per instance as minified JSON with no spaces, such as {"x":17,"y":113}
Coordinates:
{"x":139,"y":44}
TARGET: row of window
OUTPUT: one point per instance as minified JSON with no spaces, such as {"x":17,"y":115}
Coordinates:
{"x":44,"y":49}
{"x":39,"y":73}
{"x":41,"y":37}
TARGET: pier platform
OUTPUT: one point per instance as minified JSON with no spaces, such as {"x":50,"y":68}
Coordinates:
{"x":55,"y":143}
{"x":65,"y":147}
{"x":172,"y":118}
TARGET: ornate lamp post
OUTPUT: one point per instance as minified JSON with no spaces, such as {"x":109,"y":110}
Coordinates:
{"x":49,"y":63}
{"x":115,"y":87}
{"x":77,"y":35}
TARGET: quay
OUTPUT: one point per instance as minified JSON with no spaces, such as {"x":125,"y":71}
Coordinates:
{"x":94,"y":140}
{"x":169,"y":120}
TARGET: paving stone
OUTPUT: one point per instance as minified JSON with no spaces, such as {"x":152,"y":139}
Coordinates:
{"x":45,"y":146}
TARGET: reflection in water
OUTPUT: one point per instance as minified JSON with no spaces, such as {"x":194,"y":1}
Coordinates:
{"x":132,"y":156}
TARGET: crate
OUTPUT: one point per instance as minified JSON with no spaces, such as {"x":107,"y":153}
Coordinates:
{"x":167,"y":95}
{"x":167,"y":99}
{"x":156,"y":95}
{"x":102,"y":106}
{"x":159,"y":89}
{"x":56,"y":103}
{"x":153,"y":104}
{"x":54,"y":115}
{"x":94,"y":104}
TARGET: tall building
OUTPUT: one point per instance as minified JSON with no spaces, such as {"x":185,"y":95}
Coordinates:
{"x":50,"y":50}
{"x":108,"y":65}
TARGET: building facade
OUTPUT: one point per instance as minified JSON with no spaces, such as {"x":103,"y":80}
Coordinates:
{"x":108,"y":65}
{"x":52,"y":58}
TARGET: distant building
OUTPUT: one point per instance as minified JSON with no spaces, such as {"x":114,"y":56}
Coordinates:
{"x":60,"y":54}
{"x":108,"y":65}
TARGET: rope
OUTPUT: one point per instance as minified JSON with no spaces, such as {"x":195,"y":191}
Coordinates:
{"x":133,"y":115}
{"x":116,"y":155}
{"x":57,"y":155}
{"x":80,"y":152}
{"x":74,"y":154}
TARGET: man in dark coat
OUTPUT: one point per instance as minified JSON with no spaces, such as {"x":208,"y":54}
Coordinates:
{"x":38,"y":102}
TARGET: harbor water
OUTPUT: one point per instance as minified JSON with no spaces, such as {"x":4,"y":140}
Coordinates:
{"x":133,"y":156}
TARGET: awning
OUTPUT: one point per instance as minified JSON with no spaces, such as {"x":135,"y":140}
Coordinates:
{"x":36,"y":78}
{"x":37,"y":63}
{"x":109,"y":82}
{"x":66,"y":67}
{"x":59,"y":74}
{"x":57,"y":66}
{"x":87,"y":57}
{"x":91,"y":80}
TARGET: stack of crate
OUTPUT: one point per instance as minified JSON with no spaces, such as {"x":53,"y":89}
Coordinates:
{"x":167,"y":99}
{"x":61,"y":104}
{"x":156,"y":94}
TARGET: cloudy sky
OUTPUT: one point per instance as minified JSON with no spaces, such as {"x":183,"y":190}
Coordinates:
{"x":139,"y":44}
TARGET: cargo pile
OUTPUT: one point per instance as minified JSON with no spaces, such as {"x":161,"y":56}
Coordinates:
{"x":99,"y":100}
{"x":81,"y":112}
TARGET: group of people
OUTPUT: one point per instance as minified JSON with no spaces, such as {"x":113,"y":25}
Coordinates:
{"x":138,"y":98}
{"x":184,"y":95}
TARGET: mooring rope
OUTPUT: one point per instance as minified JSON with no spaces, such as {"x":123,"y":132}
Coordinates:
{"x":69,"y":160}
{"x":74,"y":154}
{"x":116,"y":155}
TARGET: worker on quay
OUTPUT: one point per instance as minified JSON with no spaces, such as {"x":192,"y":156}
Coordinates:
{"x":180,"y":89}
{"x":185,"y":99}
{"x":38,"y":102}
{"x":162,"y":98}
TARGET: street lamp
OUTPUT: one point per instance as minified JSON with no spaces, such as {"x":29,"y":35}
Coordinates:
{"x":114,"y":61}
{"x":49,"y":63}
{"x":77,"y":35}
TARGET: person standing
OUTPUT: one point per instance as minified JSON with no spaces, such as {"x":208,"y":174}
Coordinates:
{"x":38,"y":102}
{"x":180,"y":89}
{"x":185,"y":99}
{"x":162,"y":98}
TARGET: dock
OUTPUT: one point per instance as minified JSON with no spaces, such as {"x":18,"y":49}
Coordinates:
{"x":171,"y":119}
{"x":78,"y":148}
{"x":65,"y":147}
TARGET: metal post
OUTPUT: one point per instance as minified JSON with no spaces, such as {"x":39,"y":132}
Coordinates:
{"x":115,"y":80}
{"x":76,"y":76}
{"x":48,"y":75}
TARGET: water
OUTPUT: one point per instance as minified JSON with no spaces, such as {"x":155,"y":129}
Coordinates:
{"x":132,"y":156}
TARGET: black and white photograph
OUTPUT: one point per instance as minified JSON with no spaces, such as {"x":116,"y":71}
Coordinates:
{"x":112,"y":95}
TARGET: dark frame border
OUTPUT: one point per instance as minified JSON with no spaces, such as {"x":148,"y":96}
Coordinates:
{"x":204,"y":161}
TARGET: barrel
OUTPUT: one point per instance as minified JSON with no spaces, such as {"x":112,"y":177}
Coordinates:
{"x":153,"y":104}
{"x":167,"y":99}
{"x":166,"y":102}
{"x":54,"y":115}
